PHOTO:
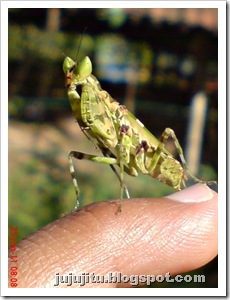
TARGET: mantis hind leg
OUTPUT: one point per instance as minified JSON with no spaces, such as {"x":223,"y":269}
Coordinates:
{"x":169,"y":133}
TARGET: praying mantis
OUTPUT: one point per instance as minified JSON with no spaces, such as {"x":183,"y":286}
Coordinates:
{"x":122,"y":138}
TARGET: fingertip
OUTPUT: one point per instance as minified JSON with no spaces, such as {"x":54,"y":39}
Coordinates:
{"x":194,"y":194}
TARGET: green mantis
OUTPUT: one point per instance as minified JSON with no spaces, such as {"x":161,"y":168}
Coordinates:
{"x":121,"y":137}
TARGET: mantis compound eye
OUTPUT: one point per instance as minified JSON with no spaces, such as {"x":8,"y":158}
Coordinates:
{"x":72,"y":68}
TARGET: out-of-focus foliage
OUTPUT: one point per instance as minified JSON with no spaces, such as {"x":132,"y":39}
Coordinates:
{"x":46,"y":45}
{"x":115,"y":16}
{"x":131,"y":61}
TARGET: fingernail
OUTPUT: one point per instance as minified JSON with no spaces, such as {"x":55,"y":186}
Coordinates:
{"x":194,"y":194}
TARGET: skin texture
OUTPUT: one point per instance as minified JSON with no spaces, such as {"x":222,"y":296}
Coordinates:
{"x":149,"y":236}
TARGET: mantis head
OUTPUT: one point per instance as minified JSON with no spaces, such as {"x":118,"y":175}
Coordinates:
{"x":81,"y":70}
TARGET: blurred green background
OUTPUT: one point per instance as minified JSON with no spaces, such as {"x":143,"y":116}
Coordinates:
{"x":154,"y":61}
